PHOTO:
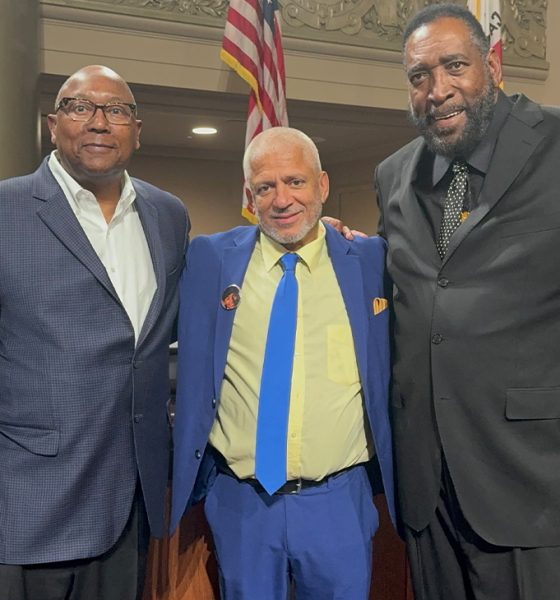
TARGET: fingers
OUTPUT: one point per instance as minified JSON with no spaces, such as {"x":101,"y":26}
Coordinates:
{"x":347,"y":232}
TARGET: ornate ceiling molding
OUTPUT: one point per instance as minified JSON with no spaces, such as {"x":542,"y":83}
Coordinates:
{"x":372,"y":25}
{"x":211,"y":8}
{"x":330,"y":15}
{"x":524,"y":34}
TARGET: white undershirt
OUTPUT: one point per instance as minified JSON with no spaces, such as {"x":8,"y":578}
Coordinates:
{"x":120,"y":244}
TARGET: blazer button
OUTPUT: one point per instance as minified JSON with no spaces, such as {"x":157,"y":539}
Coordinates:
{"x":437,"y":338}
{"x":213,"y":402}
{"x":443,"y":282}
{"x":197,"y":454}
{"x":137,"y":418}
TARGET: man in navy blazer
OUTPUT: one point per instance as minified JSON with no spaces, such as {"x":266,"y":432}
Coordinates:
{"x":89,"y":264}
{"x":316,"y":530}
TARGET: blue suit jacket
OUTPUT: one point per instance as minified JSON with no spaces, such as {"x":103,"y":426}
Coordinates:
{"x":213,"y":263}
{"x":82,"y":410}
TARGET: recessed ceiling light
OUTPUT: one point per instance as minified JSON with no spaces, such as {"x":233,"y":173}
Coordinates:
{"x":205,"y":130}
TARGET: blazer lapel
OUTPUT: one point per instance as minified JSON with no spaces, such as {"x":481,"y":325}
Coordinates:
{"x":58,"y":216}
{"x":516,"y":142}
{"x":150,"y":223}
{"x":419,"y":231}
{"x":235,"y":260}
{"x":348,"y":272}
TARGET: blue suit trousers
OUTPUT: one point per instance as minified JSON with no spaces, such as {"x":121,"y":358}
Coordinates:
{"x":319,"y":540}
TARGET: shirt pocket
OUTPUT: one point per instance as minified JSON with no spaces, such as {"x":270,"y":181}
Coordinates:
{"x":341,"y":357}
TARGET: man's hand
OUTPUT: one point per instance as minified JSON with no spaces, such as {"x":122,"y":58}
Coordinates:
{"x":348,"y":233}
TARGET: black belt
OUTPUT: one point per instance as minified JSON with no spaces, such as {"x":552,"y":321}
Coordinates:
{"x":292,"y":486}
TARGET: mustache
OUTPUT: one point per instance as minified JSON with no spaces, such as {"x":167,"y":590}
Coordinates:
{"x":437,"y":113}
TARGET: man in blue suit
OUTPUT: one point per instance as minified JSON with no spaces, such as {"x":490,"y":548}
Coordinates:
{"x":314,"y":526}
{"x":89,"y":264}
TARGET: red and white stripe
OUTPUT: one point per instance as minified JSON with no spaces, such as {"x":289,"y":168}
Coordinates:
{"x":489,"y":16}
{"x":252,"y":47}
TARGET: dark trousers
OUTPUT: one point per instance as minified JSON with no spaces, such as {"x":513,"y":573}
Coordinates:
{"x":118,"y":574}
{"x":449,"y":561}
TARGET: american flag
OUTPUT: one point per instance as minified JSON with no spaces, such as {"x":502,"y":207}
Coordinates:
{"x":489,"y":16}
{"x":252,"y":47}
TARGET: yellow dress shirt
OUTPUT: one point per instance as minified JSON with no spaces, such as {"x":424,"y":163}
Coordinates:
{"x":327,"y":426}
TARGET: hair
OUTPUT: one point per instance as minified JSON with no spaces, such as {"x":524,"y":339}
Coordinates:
{"x":453,"y":11}
{"x":269,"y":139}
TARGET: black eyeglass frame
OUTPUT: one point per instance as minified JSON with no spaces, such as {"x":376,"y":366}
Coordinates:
{"x":63,"y":103}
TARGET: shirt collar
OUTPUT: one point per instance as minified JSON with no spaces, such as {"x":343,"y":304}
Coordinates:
{"x":480,"y":157}
{"x":309,"y":254}
{"x":76,"y":194}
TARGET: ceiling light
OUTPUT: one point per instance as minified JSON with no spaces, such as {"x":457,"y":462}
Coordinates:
{"x":205,"y":130}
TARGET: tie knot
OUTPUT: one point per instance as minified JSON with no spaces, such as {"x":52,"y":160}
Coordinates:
{"x":459,"y":168}
{"x":289,"y":261}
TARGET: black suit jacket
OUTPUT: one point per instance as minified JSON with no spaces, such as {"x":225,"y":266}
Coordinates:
{"x":477,"y":339}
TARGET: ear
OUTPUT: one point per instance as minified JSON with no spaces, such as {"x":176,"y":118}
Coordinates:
{"x":249,"y":195}
{"x":51,"y":122}
{"x":324,"y":186}
{"x":495,"y":66}
{"x":138,"y":129}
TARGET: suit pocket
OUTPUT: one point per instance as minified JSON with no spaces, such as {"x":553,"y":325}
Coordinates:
{"x":43,"y":442}
{"x":533,"y":403}
{"x":527,"y":226}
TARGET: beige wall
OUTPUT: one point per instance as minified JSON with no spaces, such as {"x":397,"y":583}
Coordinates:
{"x":180,"y":55}
{"x":551,"y":91}
{"x":212,"y":189}
{"x":352,"y":198}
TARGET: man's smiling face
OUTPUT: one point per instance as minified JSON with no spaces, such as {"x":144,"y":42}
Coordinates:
{"x":452,"y":87}
{"x":94,"y":150}
{"x":288,"y":192}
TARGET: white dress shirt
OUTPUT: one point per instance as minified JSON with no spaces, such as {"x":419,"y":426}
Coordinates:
{"x":120,"y":244}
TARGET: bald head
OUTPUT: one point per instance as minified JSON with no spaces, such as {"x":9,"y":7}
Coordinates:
{"x":93,"y":72}
{"x":94,"y":150}
{"x":275,"y":140}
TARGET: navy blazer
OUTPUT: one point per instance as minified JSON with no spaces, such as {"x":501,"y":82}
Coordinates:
{"x":213,"y":263}
{"x":82,"y":409}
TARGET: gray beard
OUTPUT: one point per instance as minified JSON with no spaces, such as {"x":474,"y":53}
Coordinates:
{"x":294,"y":238}
{"x":479,"y":116}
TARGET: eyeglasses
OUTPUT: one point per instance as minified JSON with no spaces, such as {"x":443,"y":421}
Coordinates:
{"x":80,"y":109}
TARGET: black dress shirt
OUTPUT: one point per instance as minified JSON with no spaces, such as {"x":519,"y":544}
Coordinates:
{"x":434,"y":174}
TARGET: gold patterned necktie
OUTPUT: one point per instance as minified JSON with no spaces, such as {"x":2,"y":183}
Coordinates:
{"x":453,"y":206}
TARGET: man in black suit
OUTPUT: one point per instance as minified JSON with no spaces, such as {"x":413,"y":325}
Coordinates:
{"x":471,"y":212}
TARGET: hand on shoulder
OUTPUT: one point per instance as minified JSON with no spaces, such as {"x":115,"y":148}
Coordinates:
{"x":343,"y":229}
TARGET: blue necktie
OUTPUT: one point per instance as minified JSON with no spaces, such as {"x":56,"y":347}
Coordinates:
{"x":276,"y":381}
